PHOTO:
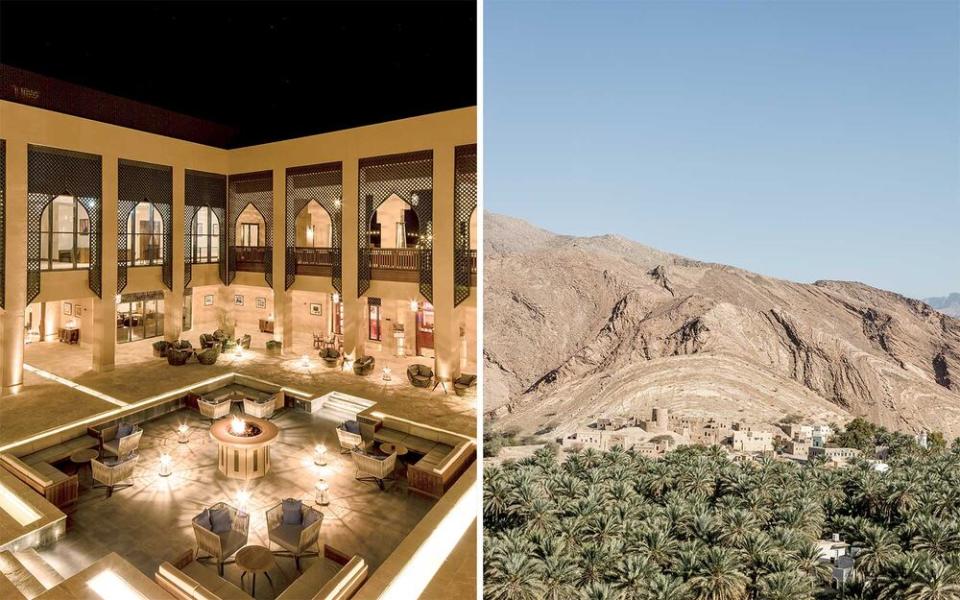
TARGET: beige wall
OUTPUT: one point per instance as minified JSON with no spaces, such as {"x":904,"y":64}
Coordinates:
{"x":313,"y":215}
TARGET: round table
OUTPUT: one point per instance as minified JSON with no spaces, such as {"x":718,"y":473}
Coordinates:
{"x":255,"y":559}
{"x":83,"y":457}
{"x":389,"y":448}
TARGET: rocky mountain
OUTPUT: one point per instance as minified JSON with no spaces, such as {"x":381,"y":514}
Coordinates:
{"x":948,"y":305}
{"x":576,"y":328}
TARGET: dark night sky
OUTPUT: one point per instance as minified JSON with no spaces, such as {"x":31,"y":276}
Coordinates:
{"x":272,"y":70}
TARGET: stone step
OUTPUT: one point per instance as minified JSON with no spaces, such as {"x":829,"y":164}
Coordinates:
{"x":21,"y":577}
{"x":38,"y":567}
{"x":345,"y":405}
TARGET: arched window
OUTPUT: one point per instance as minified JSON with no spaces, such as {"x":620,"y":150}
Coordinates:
{"x":64,"y":235}
{"x":251,"y":227}
{"x":144,"y":235}
{"x":206,"y":237}
{"x":394,"y":225}
{"x":314,"y":227}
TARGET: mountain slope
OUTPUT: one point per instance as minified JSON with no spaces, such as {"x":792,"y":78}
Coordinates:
{"x":580,"y":327}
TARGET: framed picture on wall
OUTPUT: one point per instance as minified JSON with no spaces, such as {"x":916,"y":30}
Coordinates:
{"x":208,"y":300}
{"x":67,"y":309}
{"x":261,"y":302}
{"x":316,"y":309}
{"x":238,"y":300}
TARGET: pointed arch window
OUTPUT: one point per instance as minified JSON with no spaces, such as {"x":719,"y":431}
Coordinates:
{"x":206,"y":237}
{"x":144,"y":236}
{"x":64,"y":235}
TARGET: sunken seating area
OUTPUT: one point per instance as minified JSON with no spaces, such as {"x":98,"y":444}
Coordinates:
{"x":420,"y":375}
{"x":445,"y":455}
{"x":42,"y":477}
{"x":334,"y":577}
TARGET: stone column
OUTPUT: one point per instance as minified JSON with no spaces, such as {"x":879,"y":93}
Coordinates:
{"x":15,"y":269}
{"x":173,"y":299}
{"x":281,"y":305}
{"x":446,"y":332}
{"x":352,"y":305}
{"x":104,"y":340}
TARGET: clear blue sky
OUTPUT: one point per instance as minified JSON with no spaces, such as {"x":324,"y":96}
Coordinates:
{"x":803,"y":140}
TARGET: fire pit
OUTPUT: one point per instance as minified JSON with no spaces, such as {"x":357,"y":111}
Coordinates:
{"x":244,"y":446}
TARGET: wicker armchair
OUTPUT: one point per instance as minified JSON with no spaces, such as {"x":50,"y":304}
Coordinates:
{"x":297,"y":540}
{"x":123,"y":446}
{"x":182,"y":345}
{"x":177,"y":356}
{"x":213,"y":410}
{"x":221,"y":546}
{"x":112,"y":473}
{"x":373,"y":468}
{"x":262,"y":410}
{"x":348,"y":433}
{"x":463,"y":383}
{"x":244,"y":342}
{"x":208,"y":356}
{"x":364,"y":365}
{"x":207,"y":340}
{"x":330,"y":356}
{"x":160,"y":348}
{"x":420,"y":375}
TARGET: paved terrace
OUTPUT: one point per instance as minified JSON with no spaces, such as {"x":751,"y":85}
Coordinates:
{"x":44,"y":404}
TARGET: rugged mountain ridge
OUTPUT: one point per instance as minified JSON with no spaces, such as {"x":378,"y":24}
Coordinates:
{"x":580,"y":327}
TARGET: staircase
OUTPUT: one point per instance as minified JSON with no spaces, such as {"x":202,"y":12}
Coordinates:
{"x":343,"y":407}
{"x":24,"y":575}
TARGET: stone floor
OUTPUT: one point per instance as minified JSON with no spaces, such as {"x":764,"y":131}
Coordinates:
{"x":138,"y":375}
{"x":151,"y":521}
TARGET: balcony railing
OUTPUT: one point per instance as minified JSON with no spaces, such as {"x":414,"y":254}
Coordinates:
{"x":251,"y":258}
{"x":473,"y":261}
{"x":317,"y":257}
{"x":395,"y":259}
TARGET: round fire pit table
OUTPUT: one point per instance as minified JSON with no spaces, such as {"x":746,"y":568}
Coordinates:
{"x":244,"y":446}
{"x":255,"y":559}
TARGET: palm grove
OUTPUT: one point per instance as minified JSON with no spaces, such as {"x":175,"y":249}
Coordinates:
{"x":696,"y":525}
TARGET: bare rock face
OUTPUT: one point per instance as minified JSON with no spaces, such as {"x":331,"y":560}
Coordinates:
{"x":577,"y":328}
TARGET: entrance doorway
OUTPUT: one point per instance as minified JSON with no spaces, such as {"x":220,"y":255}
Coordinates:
{"x":425,"y":330}
{"x":139,"y":316}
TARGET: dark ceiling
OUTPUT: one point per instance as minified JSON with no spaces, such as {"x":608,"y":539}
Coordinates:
{"x":267,"y":70}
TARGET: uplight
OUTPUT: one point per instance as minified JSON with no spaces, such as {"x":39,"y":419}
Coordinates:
{"x":166,"y":464}
{"x":320,"y":455}
{"x":110,"y":586}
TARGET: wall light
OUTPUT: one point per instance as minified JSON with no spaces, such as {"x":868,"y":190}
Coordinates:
{"x":337,"y":203}
{"x":414,"y":305}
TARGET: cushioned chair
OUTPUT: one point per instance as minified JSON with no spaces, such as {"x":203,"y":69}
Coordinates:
{"x":274,"y":348}
{"x":229,"y":344}
{"x":112,"y":472}
{"x":160,"y":348}
{"x":220,"y":530}
{"x":177,"y":357}
{"x":297,"y":531}
{"x":463,"y":383}
{"x":182,"y":345}
{"x":420,"y":375}
{"x":364,"y":365}
{"x":374,"y":468}
{"x":330,"y":357}
{"x":208,"y":341}
{"x":261,"y":410}
{"x":208,"y":356}
{"x":213,"y":410}
{"x":348,"y":433}
{"x":124,"y":443}
{"x":244,"y":342}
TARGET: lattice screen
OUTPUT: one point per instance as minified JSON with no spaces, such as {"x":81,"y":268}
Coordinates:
{"x":204,"y":190}
{"x":3,"y":219}
{"x":255,"y":189}
{"x":410,"y":177}
{"x":144,"y":182}
{"x":324,"y":184}
{"x":464,"y":204}
{"x":51,"y":173}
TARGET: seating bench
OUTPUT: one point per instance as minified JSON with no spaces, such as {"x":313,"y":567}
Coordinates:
{"x":333,"y":577}
{"x":62,"y":451}
{"x":53,"y":484}
{"x":445,"y":455}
